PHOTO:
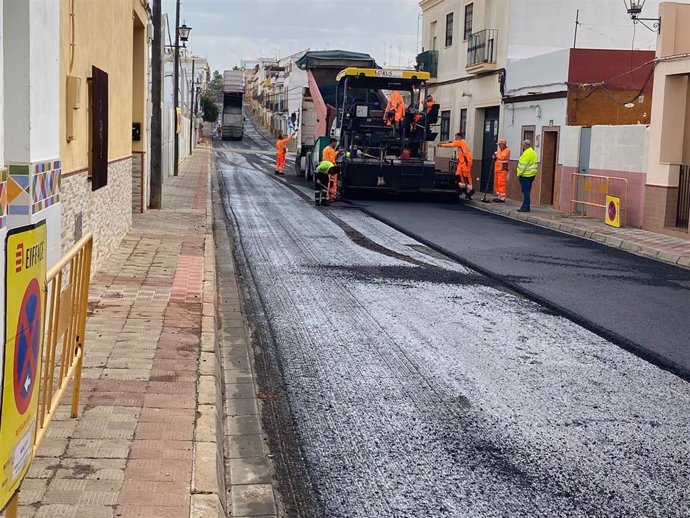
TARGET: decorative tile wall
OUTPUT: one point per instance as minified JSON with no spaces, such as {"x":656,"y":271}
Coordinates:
{"x":33,"y":187}
{"x":3,"y":198}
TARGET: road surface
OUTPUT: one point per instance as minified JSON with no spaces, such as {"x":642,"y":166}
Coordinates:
{"x":409,"y":385}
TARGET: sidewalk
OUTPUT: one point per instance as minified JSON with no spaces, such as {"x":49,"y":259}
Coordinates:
{"x":661,"y":247}
{"x":144,"y":443}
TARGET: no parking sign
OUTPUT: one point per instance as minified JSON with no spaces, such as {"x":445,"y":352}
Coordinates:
{"x":25,"y":272}
{"x":613,"y":211}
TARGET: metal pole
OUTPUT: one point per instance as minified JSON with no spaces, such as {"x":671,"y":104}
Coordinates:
{"x":156,"y":116}
{"x":191,"y":114}
{"x":176,"y":93}
{"x":577,"y":24}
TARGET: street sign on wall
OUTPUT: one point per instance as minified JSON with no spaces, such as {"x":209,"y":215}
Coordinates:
{"x":25,"y":295}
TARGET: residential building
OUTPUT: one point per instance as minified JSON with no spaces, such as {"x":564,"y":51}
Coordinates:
{"x":667,"y":190}
{"x":103,"y":96}
{"x":467,"y":45}
{"x":577,"y":87}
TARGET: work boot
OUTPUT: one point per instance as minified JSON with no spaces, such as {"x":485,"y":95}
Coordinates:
{"x":469,"y":194}
{"x":498,"y":199}
{"x":276,"y":172}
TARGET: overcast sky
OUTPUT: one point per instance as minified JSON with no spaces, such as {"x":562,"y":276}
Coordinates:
{"x":228,"y":31}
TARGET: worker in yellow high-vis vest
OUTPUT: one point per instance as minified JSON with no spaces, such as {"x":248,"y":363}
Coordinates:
{"x":526,"y":171}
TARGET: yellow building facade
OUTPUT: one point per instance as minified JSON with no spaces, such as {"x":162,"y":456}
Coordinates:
{"x":103,"y":127}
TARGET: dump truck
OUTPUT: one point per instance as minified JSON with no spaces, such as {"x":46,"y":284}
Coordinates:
{"x":385,"y":149}
{"x":232,"y":122}
{"x":319,"y":100}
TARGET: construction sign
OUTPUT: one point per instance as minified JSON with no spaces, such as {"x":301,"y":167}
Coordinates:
{"x":25,"y":295}
{"x":613,"y":211}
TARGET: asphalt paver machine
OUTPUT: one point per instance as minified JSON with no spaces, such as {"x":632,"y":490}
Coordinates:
{"x":378,"y":152}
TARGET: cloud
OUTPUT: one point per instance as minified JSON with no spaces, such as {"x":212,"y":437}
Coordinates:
{"x":229,"y":31}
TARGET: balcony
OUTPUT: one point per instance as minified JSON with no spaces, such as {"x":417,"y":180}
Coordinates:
{"x":481,"y":51}
{"x":428,"y":62}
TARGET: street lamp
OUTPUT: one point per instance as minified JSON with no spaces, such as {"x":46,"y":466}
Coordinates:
{"x":634,"y":8}
{"x":181,"y":33}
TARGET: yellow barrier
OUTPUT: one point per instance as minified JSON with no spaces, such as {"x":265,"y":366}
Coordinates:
{"x":67,"y":285}
{"x":588,"y":190}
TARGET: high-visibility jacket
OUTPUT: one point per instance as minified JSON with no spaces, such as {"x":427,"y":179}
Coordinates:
{"x":528,"y":164}
{"x":281,"y":145}
{"x":502,"y":160}
{"x":465,"y":159}
{"x":329,"y":154}
{"x":396,"y":105}
{"x":325,"y":167}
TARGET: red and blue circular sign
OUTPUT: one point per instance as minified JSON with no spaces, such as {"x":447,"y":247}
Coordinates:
{"x":612,"y":211}
{"x":27,"y":346}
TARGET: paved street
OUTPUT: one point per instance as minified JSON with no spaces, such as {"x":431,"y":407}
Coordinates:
{"x":401,"y":383}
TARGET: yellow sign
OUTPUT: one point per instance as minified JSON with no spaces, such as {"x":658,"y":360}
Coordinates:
{"x":25,"y":271}
{"x":613,"y":211}
{"x":178,"y":120}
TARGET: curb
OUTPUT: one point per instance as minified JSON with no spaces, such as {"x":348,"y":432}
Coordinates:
{"x":208,"y":475}
{"x":592,"y":235}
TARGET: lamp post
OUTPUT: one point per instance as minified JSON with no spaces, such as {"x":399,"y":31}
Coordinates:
{"x":181,"y":33}
{"x":634,"y":8}
{"x":192,"y":114}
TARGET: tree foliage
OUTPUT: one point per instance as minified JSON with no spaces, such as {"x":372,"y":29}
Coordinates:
{"x":210,"y":108}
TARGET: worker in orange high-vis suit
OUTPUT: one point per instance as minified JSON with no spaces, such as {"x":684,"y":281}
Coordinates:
{"x":281,"y":150}
{"x":329,"y":153}
{"x":502,"y":158}
{"x":464,"y":168}
{"x":395,"y":109}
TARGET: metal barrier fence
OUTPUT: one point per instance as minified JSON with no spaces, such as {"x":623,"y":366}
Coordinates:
{"x":683,"y":210}
{"x":588,"y":190}
{"x":67,"y":284}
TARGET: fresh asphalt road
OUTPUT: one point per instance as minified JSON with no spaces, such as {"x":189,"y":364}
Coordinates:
{"x":405,"y":384}
{"x":640,"y":302}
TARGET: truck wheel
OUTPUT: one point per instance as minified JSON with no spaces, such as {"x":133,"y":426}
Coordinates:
{"x":308,"y":174}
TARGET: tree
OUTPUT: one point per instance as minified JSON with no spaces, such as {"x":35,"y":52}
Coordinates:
{"x":210,"y":108}
{"x":217,"y":81}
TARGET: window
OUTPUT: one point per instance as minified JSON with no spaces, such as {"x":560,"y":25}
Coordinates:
{"x":463,"y":122}
{"x":445,"y":125}
{"x":98,"y":122}
{"x":528,"y":134}
{"x":469,"y":13}
{"x":449,"y":29}
{"x":432,"y":32}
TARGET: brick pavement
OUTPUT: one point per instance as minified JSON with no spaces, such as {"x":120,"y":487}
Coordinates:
{"x":130,"y":453}
{"x":662,"y":247}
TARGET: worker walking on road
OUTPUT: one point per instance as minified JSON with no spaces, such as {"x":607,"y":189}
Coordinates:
{"x":526,"y":171}
{"x":329,"y":153}
{"x":502,"y":157}
{"x":281,"y":150}
{"x":464,"y":168}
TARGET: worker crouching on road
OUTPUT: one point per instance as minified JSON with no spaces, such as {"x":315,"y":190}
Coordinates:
{"x":464,"y":168}
{"x":325,"y":183}
{"x":526,"y":171}
{"x":501,"y":167}
{"x":281,"y":150}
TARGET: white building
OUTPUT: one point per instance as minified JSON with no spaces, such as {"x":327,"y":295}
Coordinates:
{"x":467,"y":45}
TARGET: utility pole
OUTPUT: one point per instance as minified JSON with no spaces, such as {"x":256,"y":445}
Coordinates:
{"x":577,"y":24}
{"x":156,"y":122}
{"x":191,"y":115}
{"x":176,"y":93}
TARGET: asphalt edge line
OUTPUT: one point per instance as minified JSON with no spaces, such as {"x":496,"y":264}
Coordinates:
{"x":285,"y":497}
{"x":208,"y":495}
{"x":603,"y":239}
{"x":622,"y":342}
